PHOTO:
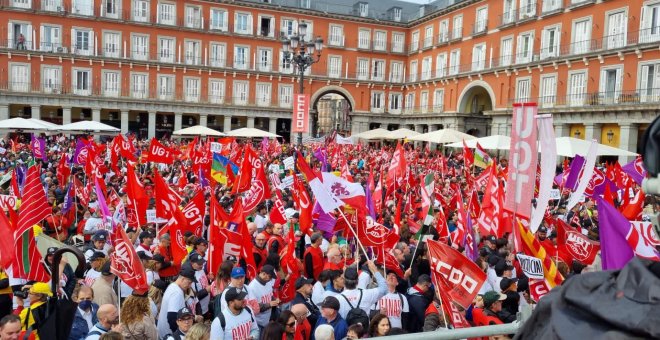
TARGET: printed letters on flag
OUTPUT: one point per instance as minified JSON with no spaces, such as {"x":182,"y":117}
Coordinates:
{"x":635,"y":170}
{"x":571,"y":244}
{"x":158,"y":153}
{"x":371,"y":233}
{"x":522,"y":160}
{"x":456,"y":317}
{"x":531,"y":246}
{"x":194,"y":213}
{"x":390,"y":262}
{"x":464,"y":277}
{"x":277,"y":214}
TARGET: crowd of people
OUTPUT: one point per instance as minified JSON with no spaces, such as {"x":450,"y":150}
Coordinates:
{"x":341,"y":290}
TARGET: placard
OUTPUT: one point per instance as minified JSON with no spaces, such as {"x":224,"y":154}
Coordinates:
{"x":151,"y":217}
{"x":555,"y":194}
{"x":531,"y":266}
{"x":274,"y":168}
{"x":288,"y":163}
{"x":216,"y":147}
{"x":287,"y":182}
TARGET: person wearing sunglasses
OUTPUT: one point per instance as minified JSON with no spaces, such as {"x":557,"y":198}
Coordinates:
{"x":288,"y":321}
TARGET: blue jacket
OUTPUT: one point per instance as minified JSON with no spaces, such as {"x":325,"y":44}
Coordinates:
{"x":79,"y":329}
{"x":339,"y":324}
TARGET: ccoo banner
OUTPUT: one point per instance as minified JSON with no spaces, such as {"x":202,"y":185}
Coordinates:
{"x":300,"y":121}
{"x":522,"y":160}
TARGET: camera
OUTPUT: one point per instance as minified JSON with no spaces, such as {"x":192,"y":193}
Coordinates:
{"x":23,"y":294}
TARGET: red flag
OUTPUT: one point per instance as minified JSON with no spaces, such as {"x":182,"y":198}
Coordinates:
{"x":473,"y":206}
{"x":458,"y":236}
{"x":6,"y":243}
{"x":63,"y":171}
{"x":468,"y":157}
{"x":455,"y":316}
{"x":464,"y":277}
{"x":259,"y":190}
{"x":397,"y":168}
{"x":248,"y":170}
{"x":183,"y":179}
{"x":137,"y":198}
{"x":125,"y":262}
{"x":571,"y":244}
{"x":538,"y":288}
{"x":491,"y":208}
{"x":34,"y":207}
{"x":167,"y":200}
{"x":634,"y":208}
{"x":390,"y":262}
{"x":194,"y":213}
{"x":246,"y":249}
{"x":304,"y":201}
{"x":14,"y":189}
{"x":378,"y":195}
{"x":277,"y":214}
{"x":177,"y":227}
{"x":159,"y":153}
{"x":28,"y":260}
{"x":371,"y":233}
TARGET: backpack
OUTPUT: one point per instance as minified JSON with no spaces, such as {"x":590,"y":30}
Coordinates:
{"x":223,"y":322}
{"x":356,"y":314}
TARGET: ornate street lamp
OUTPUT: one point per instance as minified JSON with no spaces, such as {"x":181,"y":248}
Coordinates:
{"x":610,"y":136}
{"x":301,"y":53}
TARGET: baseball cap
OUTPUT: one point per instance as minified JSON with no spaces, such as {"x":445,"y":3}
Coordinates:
{"x":196,"y":258}
{"x":330,"y":302}
{"x":99,"y":236}
{"x":351,"y":273}
{"x":183,"y":312}
{"x":160,"y":284}
{"x":237,"y":272}
{"x":201,"y":240}
{"x":492,"y":296}
{"x":188,"y":273}
{"x":295,"y":215}
{"x":105,"y":269}
{"x":491,"y":238}
{"x":301,"y":281}
{"x":95,"y":256}
{"x":507,"y":282}
{"x":234,"y":293}
{"x":543,"y":229}
{"x":268,"y":269}
{"x":145,"y":234}
{"x":51,"y":251}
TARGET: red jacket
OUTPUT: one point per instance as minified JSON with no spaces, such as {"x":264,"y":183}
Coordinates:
{"x":167,"y":254}
{"x":303,"y":331}
{"x":484,"y":318}
{"x":317,"y":262}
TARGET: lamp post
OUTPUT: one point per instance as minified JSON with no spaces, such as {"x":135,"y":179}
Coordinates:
{"x":300,"y":53}
{"x":610,"y":136}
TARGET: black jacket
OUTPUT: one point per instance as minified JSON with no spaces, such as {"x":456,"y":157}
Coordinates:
{"x":417,"y":303}
{"x":315,"y":313}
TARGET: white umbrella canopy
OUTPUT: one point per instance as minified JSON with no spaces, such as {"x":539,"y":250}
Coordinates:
{"x":86,"y":126}
{"x":569,"y":147}
{"x":401,"y":134}
{"x":251,"y":133}
{"x":197,"y":130}
{"x":443,"y":136}
{"x":25,"y":124}
{"x":495,"y":142}
{"x":378,"y":133}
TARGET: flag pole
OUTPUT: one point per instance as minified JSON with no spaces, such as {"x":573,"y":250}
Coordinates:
{"x":353,"y":230}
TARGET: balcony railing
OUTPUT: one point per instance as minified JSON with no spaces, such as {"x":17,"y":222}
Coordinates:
{"x":605,"y":98}
{"x":552,"y":6}
{"x":527,"y":12}
{"x":480,"y":27}
{"x":508,"y":18}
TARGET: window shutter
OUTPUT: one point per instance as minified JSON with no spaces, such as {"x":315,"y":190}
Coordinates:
{"x":249,"y":23}
{"x":235,"y":22}
{"x":73,"y":39}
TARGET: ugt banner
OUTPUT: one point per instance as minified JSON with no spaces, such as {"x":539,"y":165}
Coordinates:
{"x":522,"y":160}
{"x":300,"y":119}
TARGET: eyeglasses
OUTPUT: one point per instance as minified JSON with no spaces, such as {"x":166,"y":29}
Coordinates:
{"x":291,"y":324}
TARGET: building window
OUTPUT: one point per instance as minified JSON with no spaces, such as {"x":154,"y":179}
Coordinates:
{"x":83,"y":42}
{"x":140,"y":47}
{"x":286,"y":96}
{"x":52,"y":5}
{"x":457,"y":31}
{"x":265,"y":59}
{"x":111,"y":41}
{"x":410,"y":102}
{"x":363,"y":9}
{"x":414,"y":41}
{"x":140,"y":10}
{"x":82,"y":85}
{"x":243,"y":23}
{"x":289,"y":27}
{"x":649,"y":82}
{"x":111,"y":83}
{"x":193,"y":52}
{"x":219,"y":19}
{"x":378,"y":70}
{"x":241,"y":57}
{"x":20,"y":36}
{"x":428,"y":36}
{"x":111,"y":9}
{"x":439,"y":100}
{"x":412,"y":74}
{"x":577,"y":88}
{"x":441,"y":65}
{"x":240,"y":95}
{"x":380,"y":40}
{"x":285,"y":66}
{"x":192,"y":89}
{"x":550,"y":42}
{"x":193,"y":17}
{"x":481,"y":20}
{"x":20,"y":78}
{"x":525,"y":45}
{"x":336,"y":36}
{"x":218,"y":55}
{"x":396,"y":72}
{"x":394,"y":103}
{"x":377,"y":102}
{"x":523,"y":87}
{"x":509,"y":15}
{"x":166,"y":87}
{"x":166,"y":13}
{"x":426,"y":68}
{"x":263,"y":94}
{"x":397,"y":14}
{"x":139,"y":85}
{"x":166,"y":54}
{"x":216,"y":91}
{"x":362,"y":69}
{"x":364,"y":39}
{"x":479,"y":57}
{"x":650,"y":30}
{"x":581,"y":36}
{"x":51,"y":78}
{"x":444,"y":31}
{"x":527,"y":9}
{"x":266,"y":26}
{"x":454,"y":61}
{"x":551,"y":5}
{"x":616,"y":30}
{"x":398,"y":41}
{"x":424,"y":101}
{"x":51,"y":39}
{"x":305,"y":4}
{"x":610,"y":85}
{"x":82,"y":7}
{"x":548,"y":91}
{"x":506,"y":51}
{"x":335,"y":66}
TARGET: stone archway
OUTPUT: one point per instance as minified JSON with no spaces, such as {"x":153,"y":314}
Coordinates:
{"x":328,"y":99}
{"x":476,"y":98}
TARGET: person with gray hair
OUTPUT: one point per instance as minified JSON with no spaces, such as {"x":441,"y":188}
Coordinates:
{"x":324,"y":332}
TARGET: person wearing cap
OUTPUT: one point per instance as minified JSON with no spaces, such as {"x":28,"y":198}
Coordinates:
{"x":184,"y":320}
{"x":393,"y":304}
{"x":103,"y":291}
{"x":169,"y":269}
{"x":152,"y":268}
{"x":200,"y":246}
{"x":313,"y":257}
{"x":237,"y":321}
{"x":330,"y":316}
{"x":237,"y":281}
{"x":38,"y":293}
{"x":261,"y":288}
{"x":546,"y":243}
{"x":303,"y":296}
{"x":99,"y":243}
{"x":358,"y":297}
{"x":201,"y":288}
{"x":260,"y":217}
{"x":146,"y":239}
{"x":173,"y":300}
{"x":487,"y":315}
{"x":491,"y":274}
{"x":67,"y":277}
{"x":418,"y":302}
{"x":509,"y":287}
{"x":490,"y":244}
{"x":96,"y":261}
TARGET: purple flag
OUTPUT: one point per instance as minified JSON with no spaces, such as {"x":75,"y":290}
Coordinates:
{"x":325,"y":222}
{"x":103,"y":207}
{"x":635,"y":170}
{"x":68,"y":202}
{"x":615,"y":252}
{"x":38,"y":146}
{"x":264,"y":145}
{"x":320,"y":155}
{"x":202,"y":179}
{"x":576,"y":167}
{"x":370,"y":202}
{"x":77,"y":158}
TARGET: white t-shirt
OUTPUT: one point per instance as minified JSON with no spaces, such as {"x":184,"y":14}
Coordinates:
{"x":91,"y":251}
{"x":146,"y":251}
{"x":93,"y":225}
{"x":250,"y":301}
{"x":91,"y":276}
{"x":263,"y":294}
{"x":369,"y":297}
{"x":201,"y":284}
{"x":317,"y":292}
{"x":173,"y":300}
{"x":237,"y":327}
{"x":392,"y":303}
{"x":152,"y":276}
